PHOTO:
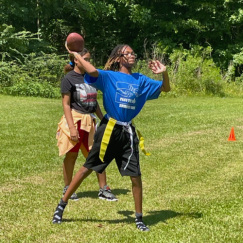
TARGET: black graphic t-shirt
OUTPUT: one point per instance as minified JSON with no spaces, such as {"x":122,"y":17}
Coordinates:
{"x":83,"y":96}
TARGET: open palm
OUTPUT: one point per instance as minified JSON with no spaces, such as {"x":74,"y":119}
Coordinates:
{"x":157,"y":67}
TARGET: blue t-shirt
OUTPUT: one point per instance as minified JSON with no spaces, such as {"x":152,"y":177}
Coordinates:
{"x":124,"y":95}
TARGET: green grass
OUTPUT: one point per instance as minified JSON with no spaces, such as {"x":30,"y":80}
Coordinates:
{"x":192,"y":181}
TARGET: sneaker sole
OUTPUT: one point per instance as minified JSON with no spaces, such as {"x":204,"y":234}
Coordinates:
{"x":75,"y":199}
{"x":144,"y":230}
{"x":56,"y":222}
{"x":107,"y":199}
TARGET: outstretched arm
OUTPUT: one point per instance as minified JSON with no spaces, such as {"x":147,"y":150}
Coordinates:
{"x":157,"y":67}
{"x":88,"y":67}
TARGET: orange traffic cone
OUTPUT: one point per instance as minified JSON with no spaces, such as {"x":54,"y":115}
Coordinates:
{"x":232,"y":135}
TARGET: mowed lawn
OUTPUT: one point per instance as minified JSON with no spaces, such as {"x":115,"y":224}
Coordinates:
{"x":193,"y":180}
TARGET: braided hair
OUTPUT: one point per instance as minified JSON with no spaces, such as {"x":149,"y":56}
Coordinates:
{"x":113,"y":60}
{"x":69,"y":67}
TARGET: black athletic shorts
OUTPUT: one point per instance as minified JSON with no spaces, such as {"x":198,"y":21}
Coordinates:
{"x":118,"y":149}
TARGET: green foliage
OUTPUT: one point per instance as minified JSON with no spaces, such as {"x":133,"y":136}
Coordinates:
{"x":106,"y":23}
{"x":22,"y":14}
{"x":211,"y":78}
{"x":34,"y":76}
{"x":27,"y":74}
{"x":193,"y":38}
{"x":12,"y":42}
{"x":193,"y":71}
{"x":29,"y":88}
{"x":235,"y":65}
{"x":44,"y":68}
{"x":142,"y":67}
{"x":235,"y":89}
{"x":7,"y":72}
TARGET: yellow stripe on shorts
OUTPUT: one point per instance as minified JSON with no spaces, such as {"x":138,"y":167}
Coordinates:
{"x":106,"y":138}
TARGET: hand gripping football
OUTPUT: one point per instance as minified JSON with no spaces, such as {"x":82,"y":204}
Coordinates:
{"x":75,"y":42}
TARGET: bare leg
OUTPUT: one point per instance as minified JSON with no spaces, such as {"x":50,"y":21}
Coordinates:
{"x":76,"y":182}
{"x":101,"y":178}
{"x":137,"y":191}
{"x":68,"y":167}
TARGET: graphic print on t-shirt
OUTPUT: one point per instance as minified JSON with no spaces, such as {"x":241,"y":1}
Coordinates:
{"x":126,"y":95}
{"x":86,"y":96}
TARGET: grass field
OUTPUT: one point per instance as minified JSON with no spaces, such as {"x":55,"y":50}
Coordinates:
{"x":192,"y":181}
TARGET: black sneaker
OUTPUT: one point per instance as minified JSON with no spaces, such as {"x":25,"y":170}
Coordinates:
{"x":106,"y":194}
{"x":74,"y":197}
{"x":57,"y":217}
{"x":140,"y":225}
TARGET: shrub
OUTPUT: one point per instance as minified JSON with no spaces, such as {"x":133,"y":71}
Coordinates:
{"x":23,"y":88}
{"x":195,"y":72}
{"x":35,"y":76}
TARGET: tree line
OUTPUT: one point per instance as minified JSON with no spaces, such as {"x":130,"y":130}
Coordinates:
{"x":168,"y":24}
{"x":172,"y":30}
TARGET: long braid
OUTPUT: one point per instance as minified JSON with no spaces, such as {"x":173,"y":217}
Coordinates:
{"x":113,"y":60}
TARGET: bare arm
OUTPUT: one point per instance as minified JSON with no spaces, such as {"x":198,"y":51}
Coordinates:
{"x":88,"y":67}
{"x":157,"y":67}
{"x":166,"y":82}
{"x":99,"y":112}
{"x":74,"y":134}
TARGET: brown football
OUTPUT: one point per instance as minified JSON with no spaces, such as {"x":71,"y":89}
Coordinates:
{"x":75,"y":42}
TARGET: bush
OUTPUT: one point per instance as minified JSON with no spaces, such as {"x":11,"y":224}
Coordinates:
{"x":27,"y":73}
{"x":35,"y":76}
{"x":191,"y":72}
{"x":195,"y":72}
{"x":7,"y":72}
{"x":233,"y":89}
{"x":212,"y":80}
{"x":35,"y":89}
{"x":45,"y":67}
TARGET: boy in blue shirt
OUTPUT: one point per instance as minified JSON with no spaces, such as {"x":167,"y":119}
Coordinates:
{"x":124,"y":95}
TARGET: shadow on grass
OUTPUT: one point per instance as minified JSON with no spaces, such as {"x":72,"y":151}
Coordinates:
{"x":152,"y":218}
{"x":94,"y":194}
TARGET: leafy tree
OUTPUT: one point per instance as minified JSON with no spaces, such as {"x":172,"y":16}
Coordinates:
{"x":162,"y":24}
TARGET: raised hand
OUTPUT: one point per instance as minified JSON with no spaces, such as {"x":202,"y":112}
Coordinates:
{"x":156,"y":67}
{"x":74,"y":53}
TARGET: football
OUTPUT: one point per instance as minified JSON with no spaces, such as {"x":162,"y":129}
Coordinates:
{"x":75,"y":42}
